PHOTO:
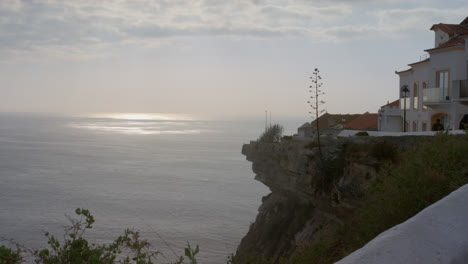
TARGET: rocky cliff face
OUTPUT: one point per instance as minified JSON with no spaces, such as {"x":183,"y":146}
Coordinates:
{"x":307,"y":195}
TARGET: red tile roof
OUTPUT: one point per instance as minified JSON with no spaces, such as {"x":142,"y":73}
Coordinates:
{"x":453,"y":42}
{"x":330,"y":120}
{"x":414,"y":63}
{"x":455,"y":32}
{"x":451,"y":29}
{"x":465,"y":21}
{"x":394,"y":103}
{"x":366,"y":121}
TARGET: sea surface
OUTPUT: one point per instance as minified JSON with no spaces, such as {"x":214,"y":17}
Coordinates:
{"x":174,"y":180}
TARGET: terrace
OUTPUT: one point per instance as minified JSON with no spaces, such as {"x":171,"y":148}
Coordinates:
{"x":457,"y":92}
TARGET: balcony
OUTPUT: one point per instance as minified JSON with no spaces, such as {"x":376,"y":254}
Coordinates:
{"x":436,"y":95}
{"x":458,"y":91}
{"x":463,"y":89}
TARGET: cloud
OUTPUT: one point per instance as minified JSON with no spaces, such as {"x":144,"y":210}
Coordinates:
{"x":298,"y":14}
{"x":36,"y":25}
{"x":395,"y":23}
{"x":348,"y":32}
{"x":411,"y":20}
{"x":88,"y":25}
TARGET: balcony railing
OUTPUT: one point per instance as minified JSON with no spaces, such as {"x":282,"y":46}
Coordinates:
{"x":457,"y":91}
{"x":434,"y":95}
{"x":463,"y":89}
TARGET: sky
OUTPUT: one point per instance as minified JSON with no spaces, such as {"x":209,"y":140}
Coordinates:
{"x":210,"y":59}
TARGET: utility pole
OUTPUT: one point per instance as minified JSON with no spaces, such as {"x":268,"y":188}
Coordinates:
{"x":270,"y":118}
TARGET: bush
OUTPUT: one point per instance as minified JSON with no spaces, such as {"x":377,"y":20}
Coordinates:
{"x":9,"y":256}
{"x":127,"y":248}
{"x":331,"y":167}
{"x":384,"y":150}
{"x":311,"y":145}
{"x":435,"y":169}
{"x":272,"y":134}
{"x":362,"y":134}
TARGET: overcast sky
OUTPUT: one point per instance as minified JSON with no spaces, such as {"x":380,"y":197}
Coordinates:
{"x":210,"y":58}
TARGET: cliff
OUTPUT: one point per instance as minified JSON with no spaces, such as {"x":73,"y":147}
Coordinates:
{"x":319,"y":211}
{"x":307,"y":196}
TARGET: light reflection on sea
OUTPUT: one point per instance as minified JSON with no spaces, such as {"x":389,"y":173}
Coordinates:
{"x":133,"y":129}
{"x":141,"y":124}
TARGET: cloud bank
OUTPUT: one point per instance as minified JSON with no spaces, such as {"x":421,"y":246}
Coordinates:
{"x":77,"y":28}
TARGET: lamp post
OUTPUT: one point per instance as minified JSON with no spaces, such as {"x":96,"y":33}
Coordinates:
{"x":404,"y":95}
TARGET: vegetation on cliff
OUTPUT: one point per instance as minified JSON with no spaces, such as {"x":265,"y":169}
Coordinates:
{"x":272,"y":134}
{"x":408,"y":178}
{"x":413,"y":180}
{"x":75,"y":248}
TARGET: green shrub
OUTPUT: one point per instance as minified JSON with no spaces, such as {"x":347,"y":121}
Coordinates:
{"x":9,"y":256}
{"x":127,"y":248}
{"x":331,"y":167}
{"x":311,"y":145}
{"x":430,"y":172}
{"x":383,"y":150}
{"x":362,"y":134}
{"x":272,"y":134}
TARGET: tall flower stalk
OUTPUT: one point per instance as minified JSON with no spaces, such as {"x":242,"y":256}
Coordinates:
{"x":315,"y":103}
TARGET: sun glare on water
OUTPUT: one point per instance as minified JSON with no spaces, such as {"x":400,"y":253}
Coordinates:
{"x":140,"y":117}
{"x":143,"y":116}
{"x":138,"y":124}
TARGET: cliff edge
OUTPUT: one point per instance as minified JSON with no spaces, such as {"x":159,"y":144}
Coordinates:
{"x":307,"y":195}
{"x":322,"y":209}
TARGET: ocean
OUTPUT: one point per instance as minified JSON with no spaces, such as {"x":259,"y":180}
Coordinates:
{"x":174,"y":180}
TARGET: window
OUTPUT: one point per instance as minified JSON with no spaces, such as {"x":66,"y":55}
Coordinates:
{"x":402,"y":103}
{"x":405,"y":103}
{"x":415,"y":96}
{"x":424,"y":86}
{"x":407,"y":125}
{"x":424,"y":126}
{"x":442,"y":82}
{"x":415,"y":126}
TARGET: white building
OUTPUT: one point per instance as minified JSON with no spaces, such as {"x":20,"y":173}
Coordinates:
{"x":438,"y":85}
{"x":306,"y":130}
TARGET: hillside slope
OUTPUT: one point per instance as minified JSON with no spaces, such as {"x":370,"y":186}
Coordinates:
{"x":320,"y":211}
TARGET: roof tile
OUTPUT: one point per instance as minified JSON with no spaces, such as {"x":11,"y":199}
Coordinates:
{"x":451,"y":29}
{"x":365,"y":121}
{"x":394,"y":103}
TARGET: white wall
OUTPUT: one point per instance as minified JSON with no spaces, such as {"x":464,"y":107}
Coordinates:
{"x":454,"y":60}
{"x":350,"y":133}
{"x":390,"y":119}
{"x":394,"y":124}
{"x":440,"y":37}
{"x":419,"y":74}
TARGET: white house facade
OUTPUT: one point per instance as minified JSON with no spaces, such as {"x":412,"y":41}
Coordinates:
{"x":438,"y":85}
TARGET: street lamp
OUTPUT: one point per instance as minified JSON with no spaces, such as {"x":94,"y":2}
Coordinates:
{"x":404,"y":95}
